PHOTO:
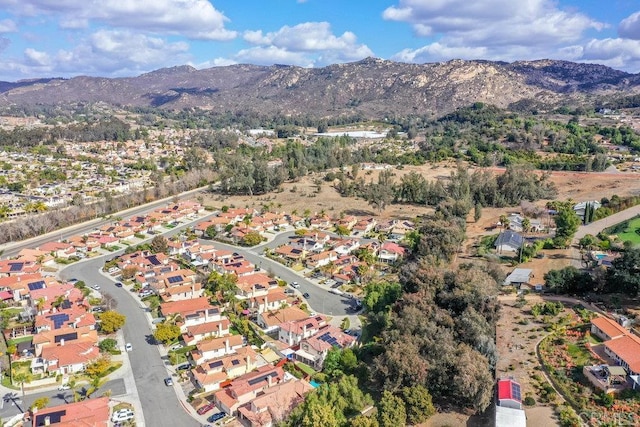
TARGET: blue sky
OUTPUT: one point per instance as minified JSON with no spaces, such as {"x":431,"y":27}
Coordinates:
{"x":115,"y":38}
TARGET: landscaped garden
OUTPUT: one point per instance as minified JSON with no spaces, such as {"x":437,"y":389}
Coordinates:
{"x":627,"y":230}
{"x":564,"y":353}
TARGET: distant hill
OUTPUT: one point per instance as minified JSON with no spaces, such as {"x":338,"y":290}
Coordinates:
{"x":371,"y":87}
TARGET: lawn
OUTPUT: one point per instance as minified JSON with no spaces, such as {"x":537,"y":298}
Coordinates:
{"x":305,"y":368}
{"x":627,"y":230}
{"x":17,"y":341}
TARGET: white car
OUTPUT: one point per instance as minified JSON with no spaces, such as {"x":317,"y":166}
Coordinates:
{"x":122,"y":415}
{"x":128,"y":346}
{"x":63,"y":387}
{"x":96,"y":287}
{"x":177,"y":346}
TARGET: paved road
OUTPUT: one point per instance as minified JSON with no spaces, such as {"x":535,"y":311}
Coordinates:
{"x":159,"y":403}
{"x":8,"y":409}
{"x":12,"y":249}
{"x":320,"y":299}
{"x":597,"y":226}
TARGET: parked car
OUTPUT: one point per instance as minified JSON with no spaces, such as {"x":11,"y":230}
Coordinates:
{"x":63,"y":387}
{"x":118,"y":284}
{"x":175,"y":347}
{"x":121,"y":416}
{"x":216,"y":417}
{"x":183,"y":367}
{"x":206,"y":408}
{"x":306,"y":295}
{"x":128,"y":346}
{"x":295,"y":285}
{"x":168,"y":382}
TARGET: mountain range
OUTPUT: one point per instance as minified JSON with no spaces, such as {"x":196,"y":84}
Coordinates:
{"x":370,"y":87}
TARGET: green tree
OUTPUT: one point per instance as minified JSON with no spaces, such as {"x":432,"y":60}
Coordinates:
{"x":342,"y":230}
{"x":391,"y":411}
{"x":252,"y":238}
{"x":418,"y":403}
{"x":166,"y":332}
{"x":364,"y":421}
{"x":477,"y":212}
{"x":567,"y":223}
{"x":21,"y":378}
{"x":624,"y":274}
{"x":211,"y":231}
{"x":111,"y":321}
{"x":99,"y":368}
{"x":40,"y":403}
{"x":107,"y":345}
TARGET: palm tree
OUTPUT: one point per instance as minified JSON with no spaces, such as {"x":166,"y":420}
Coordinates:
{"x":22,"y":377}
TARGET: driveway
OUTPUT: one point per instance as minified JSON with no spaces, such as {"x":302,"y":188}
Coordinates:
{"x":597,"y":226}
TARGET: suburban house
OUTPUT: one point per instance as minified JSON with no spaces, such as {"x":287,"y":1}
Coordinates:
{"x":363,"y":226}
{"x":390,"y":252}
{"x":321,"y":259}
{"x":273,"y":300}
{"x":247,"y":387}
{"x":63,"y":335}
{"x":607,"y":329}
{"x":270,"y":321}
{"x":197,"y":333}
{"x":509,"y":241}
{"x":518,"y":277}
{"x":66,"y":357}
{"x":256,"y":284}
{"x":313,"y":350}
{"x":217,"y":347}
{"x":89,"y":412}
{"x":293,"y":332}
{"x":516,"y":224}
{"x":191,"y":312}
{"x":212,"y":373}
{"x":581,"y":208}
{"x":274,"y":404}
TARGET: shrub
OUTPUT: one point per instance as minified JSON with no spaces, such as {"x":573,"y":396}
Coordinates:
{"x":529,"y":401}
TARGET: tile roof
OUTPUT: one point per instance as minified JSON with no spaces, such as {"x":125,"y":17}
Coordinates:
{"x":628,"y":349}
{"x":609,"y":327}
{"x":87,"y":413}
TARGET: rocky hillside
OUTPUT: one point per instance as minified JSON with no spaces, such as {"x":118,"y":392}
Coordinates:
{"x":371,"y":87}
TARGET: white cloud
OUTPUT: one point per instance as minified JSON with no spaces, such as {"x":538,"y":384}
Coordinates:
{"x":614,"y":52}
{"x":106,"y":52}
{"x":490,"y":29}
{"x":196,"y":19}
{"x":305,"y":44}
{"x":8,"y":26}
{"x":630,"y":27}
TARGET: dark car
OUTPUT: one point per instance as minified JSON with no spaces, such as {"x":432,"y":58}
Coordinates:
{"x":306,"y":295}
{"x":118,"y":284}
{"x":216,"y":417}
{"x":206,"y":408}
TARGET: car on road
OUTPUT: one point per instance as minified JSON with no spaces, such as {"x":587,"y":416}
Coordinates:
{"x":306,"y":295}
{"x":63,"y":387}
{"x":206,"y":408}
{"x":122,"y":415}
{"x":336,"y":291}
{"x":216,"y":417}
{"x":289,"y":291}
{"x":118,"y":284}
{"x":168,"y":382}
{"x":128,"y":346}
{"x":96,"y":287}
{"x":295,"y":285}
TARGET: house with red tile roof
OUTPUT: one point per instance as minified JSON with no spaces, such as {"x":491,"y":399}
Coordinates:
{"x":191,"y":312}
{"x":210,"y":374}
{"x":256,"y":284}
{"x":10,"y":267}
{"x":607,"y":329}
{"x":274,"y":404}
{"x":270,"y":320}
{"x":75,"y":317}
{"x":35,"y":255}
{"x":321,"y":259}
{"x":313,"y":350}
{"x":64,"y":335}
{"x":216,"y":348}
{"x":197,"y":333}
{"x":66,"y":357}
{"x":247,"y":387}
{"x":294,"y":331}
{"x":181,"y":292}
{"x":390,"y":252}
{"x":89,"y":412}
{"x":273,"y":300}
{"x":364,"y":226}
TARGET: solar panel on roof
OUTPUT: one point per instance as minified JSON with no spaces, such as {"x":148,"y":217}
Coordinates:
{"x":153,"y":260}
{"x":175,"y":279}
{"x":67,"y":337}
{"x":66,"y":304}
{"x":215,"y":364}
{"x":16,"y":266}
{"x":59,"y":320}
{"x":54,"y":417}
{"x":515,"y":391}
{"x":235,"y":362}
{"x":36,"y":285}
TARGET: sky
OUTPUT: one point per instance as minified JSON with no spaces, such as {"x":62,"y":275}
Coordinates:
{"x":119,"y":38}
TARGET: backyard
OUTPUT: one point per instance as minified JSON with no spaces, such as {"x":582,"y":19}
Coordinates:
{"x":626,"y":231}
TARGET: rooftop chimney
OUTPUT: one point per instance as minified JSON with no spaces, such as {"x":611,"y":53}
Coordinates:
{"x":62,"y":342}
